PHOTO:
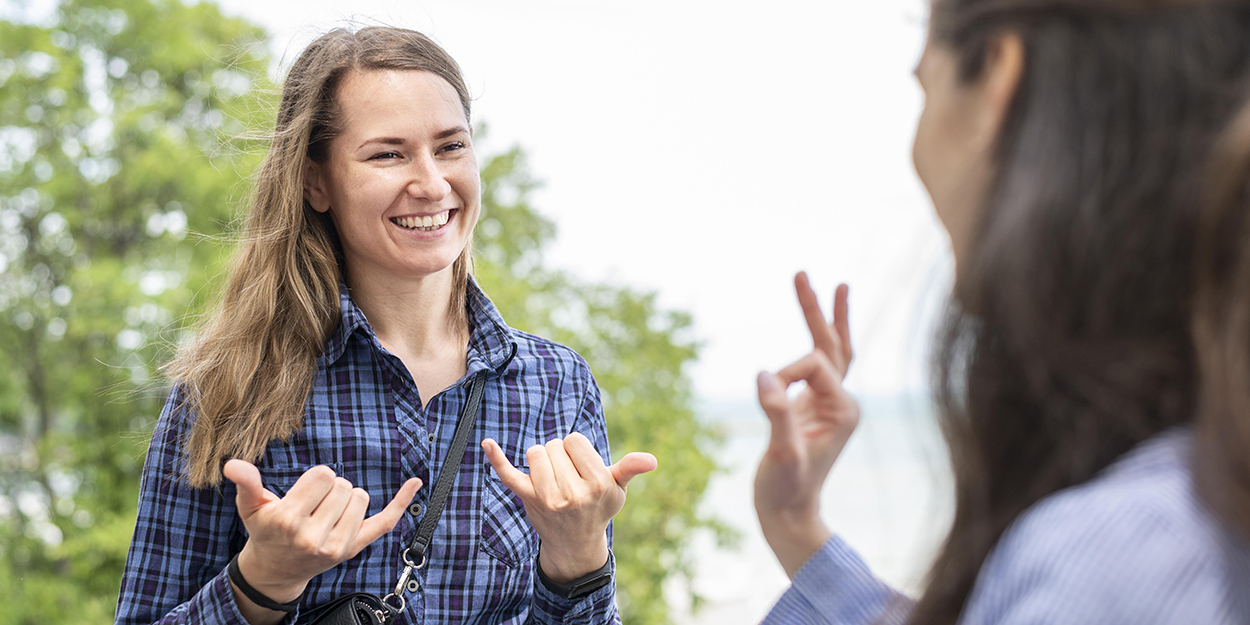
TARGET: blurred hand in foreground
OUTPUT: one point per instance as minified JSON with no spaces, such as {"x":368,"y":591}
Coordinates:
{"x":807,"y":433}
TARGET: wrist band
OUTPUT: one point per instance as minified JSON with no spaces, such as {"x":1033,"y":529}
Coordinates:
{"x":255,"y":595}
{"x":581,"y":586}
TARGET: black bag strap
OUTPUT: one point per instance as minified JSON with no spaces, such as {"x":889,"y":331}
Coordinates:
{"x":451,"y":467}
{"x":414,"y":556}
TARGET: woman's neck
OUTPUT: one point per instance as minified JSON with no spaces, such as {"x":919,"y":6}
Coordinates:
{"x":411,"y":318}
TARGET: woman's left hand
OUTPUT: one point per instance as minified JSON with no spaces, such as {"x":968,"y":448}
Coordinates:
{"x":807,"y":433}
{"x":569,"y":496}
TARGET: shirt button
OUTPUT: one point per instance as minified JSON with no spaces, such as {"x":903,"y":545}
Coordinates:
{"x":432,"y":437}
{"x":415,"y":509}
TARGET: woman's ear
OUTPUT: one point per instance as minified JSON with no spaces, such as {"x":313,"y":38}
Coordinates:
{"x":1000,"y":80}
{"x":314,"y":187}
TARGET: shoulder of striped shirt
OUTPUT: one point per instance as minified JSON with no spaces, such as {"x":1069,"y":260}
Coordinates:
{"x":1114,"y":534}
{"x":1150,"y":489}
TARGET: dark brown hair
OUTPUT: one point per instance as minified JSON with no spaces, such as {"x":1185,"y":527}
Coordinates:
{"x":246,"y":375}
{"x":1070,"y":338}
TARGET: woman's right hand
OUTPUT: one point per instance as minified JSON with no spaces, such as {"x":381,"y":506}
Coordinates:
{"x":318,"y":524}
{"x":807,"y":434}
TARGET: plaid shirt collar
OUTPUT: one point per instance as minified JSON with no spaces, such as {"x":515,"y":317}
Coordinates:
{"x":491,"y":343}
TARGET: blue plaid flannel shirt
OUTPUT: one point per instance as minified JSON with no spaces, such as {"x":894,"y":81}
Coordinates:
{"x":363,"y":419}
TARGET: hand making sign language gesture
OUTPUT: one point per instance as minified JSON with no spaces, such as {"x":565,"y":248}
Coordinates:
{"x":569,"y":496}
{"x":318,"y":524}
{"x":807,"y":434}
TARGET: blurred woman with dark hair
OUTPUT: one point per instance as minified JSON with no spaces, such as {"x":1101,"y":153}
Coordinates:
{"x":1090,"y":161}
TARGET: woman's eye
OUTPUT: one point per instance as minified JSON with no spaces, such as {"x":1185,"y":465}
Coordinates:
{"x":384,"y":156}
{"x":455,"y":145}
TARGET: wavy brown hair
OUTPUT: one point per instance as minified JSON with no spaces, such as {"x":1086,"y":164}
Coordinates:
{"x":245,"y":376}
{"x":1087,"y":317}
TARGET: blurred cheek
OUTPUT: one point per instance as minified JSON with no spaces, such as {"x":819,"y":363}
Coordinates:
{"x":919,"y":151}
{"x":928,"y":162}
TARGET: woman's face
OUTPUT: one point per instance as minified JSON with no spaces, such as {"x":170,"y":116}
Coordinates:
{"x":957,"y":130}
{"x":400,"y":181}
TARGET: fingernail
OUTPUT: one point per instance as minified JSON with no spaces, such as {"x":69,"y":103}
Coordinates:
{"x":766,"y":381}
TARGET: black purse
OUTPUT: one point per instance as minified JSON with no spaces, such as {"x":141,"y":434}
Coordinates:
{"x":363,"y":608}
{"x":359,"y":608}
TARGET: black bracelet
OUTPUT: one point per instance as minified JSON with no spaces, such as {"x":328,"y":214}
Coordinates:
{"x":255,"y":595}
{"x":581,"y":586}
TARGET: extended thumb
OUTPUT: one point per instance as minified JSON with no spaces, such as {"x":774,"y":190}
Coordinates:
{"x":772,"y":395}
{"x":776,"y":406}
{"x":252,"y":492}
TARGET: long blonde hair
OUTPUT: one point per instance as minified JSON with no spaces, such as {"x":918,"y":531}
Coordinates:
{"x":245,"y":377}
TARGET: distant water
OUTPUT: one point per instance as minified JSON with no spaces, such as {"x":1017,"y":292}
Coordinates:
{"x":889,"y":496}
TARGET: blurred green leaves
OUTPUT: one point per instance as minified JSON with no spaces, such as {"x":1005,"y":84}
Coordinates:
{"x":126,"y":143}
{"x":112,"y":120}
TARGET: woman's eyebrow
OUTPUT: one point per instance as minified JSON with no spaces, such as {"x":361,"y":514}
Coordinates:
{"x":442,"y":134}
{"x":454,"y":130}
{"x":383,"y":141}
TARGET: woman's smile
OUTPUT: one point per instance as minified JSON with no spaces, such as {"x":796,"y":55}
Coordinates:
{"x":425,"y":222}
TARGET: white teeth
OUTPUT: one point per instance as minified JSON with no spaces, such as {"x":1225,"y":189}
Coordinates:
{"x":425,"y":223}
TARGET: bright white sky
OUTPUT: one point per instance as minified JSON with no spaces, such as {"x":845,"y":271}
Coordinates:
{"x":706,"y":150}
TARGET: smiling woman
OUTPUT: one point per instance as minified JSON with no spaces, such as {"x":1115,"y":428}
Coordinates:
{"x":350,"y":360}
{"x":401,"y":181}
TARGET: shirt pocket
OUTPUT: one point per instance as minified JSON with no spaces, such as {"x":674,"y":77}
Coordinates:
{"x":280,"y":479}
{"x":507,"y":535}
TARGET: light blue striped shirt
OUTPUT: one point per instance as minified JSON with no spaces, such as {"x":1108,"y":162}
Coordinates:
{"x":1134,"y":545}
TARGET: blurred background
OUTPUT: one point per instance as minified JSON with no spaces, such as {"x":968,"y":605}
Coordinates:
{"x":654,"y":174}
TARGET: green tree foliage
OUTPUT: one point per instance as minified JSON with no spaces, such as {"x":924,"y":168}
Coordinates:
{"x":121,"y":164}
{"x":111,"y":116}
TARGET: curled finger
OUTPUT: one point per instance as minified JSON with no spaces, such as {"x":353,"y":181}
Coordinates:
{"x":310,"y":489}
{"x":817,"y":370}
{"x":348,"y":525}
{"x":542,"y":476}
{"x":562,"y":466}
{"x":327,"y":513}
{"x":586,"y":459}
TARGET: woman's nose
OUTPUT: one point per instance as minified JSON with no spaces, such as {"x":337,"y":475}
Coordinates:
{"x":427,"y":181}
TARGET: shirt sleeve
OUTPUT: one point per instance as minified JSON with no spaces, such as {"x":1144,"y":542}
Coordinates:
{"x":836,"y":586}
{"x":1093,"y":559}
{"x":176,"y":568}
{"x":599,"y":606}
